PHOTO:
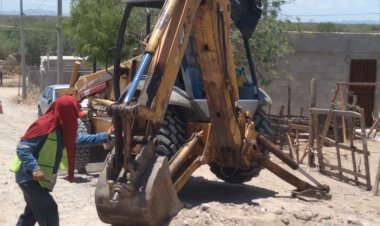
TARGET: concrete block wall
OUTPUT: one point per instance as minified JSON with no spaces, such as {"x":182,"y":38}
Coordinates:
{"x":325,"y":57}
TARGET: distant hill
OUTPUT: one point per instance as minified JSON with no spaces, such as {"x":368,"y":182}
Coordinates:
{"x":34,"y":12}
{"x":357,"y":22}
{"x":346,"y":26}
{"x":42,"y":12}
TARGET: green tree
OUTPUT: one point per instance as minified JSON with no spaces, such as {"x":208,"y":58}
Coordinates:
{"x":329,"y":27}
{"x":8,"y":45}
{"x":93,"y":26}
{"x":39,"y":43}
{"x":269,"y":43}
{"x":40,"y":37}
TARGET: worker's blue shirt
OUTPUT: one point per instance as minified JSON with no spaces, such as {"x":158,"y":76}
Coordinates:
{"x":28,"y":151}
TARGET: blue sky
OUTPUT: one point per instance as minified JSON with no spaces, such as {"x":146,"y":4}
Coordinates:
{"x":333,"y":10}
{"x":306,"y":10}
{"x":51,"y":5}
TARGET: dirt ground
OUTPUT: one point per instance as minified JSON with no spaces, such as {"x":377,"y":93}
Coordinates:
{"x":265,"y":200}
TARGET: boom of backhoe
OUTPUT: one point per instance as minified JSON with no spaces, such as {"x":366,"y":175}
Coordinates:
{"x":163,"y":133}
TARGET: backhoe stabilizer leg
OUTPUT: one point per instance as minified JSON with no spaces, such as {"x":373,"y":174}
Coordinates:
{"x":152,"y":202}
{"x":303,"y":188}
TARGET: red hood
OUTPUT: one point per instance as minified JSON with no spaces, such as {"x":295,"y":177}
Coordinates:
{"x":63,"y":112}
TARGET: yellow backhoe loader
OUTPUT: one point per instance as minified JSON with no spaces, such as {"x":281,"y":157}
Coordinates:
{"x":179,"y":105}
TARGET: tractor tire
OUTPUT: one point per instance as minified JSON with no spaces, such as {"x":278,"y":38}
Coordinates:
{"x":238,"y":176}
{"x":172,"y":134}
{"x":82,"y":154}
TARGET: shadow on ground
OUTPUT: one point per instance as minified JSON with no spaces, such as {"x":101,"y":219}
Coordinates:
{"x":199,"y":190}
{"x":82,"y":178}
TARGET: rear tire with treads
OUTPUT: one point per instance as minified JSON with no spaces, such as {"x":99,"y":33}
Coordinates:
{"x":172,"y":134}
{"x":238,"y":176}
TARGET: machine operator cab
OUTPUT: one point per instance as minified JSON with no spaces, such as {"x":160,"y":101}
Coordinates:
{"x":188,"y":90}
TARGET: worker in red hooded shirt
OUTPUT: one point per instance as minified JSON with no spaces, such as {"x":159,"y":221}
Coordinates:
{"x":48,"y":145}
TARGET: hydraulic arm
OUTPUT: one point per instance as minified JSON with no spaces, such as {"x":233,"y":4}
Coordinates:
{"x":149,"y":164}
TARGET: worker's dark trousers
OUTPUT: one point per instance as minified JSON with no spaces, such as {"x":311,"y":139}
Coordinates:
{"x":40,"y":206}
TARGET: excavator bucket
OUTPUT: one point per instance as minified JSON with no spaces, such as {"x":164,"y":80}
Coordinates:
{"x":153,"y":202}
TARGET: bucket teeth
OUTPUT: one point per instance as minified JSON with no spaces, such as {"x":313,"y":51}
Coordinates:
{"x":153,"y":201}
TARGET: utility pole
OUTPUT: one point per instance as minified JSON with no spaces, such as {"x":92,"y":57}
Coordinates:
{"x":22,"y":43}
{"x":59,"y":44}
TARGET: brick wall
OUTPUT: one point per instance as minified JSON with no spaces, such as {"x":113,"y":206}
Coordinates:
{"x":325,"y":57}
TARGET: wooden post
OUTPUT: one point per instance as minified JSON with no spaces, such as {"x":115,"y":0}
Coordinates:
{"x":289,"y":99}
{"x":343,"y":118}
{"x":74,"y":74}
{"x":376,"y":186}
{"x":336,"y":138}
{"x":281,"y":111}
{"x":290,"y":144}
{"x":365,"y":148}
{"x":374,"y":127}
{"x":305,"y":152}
{"x":311,"y":156}
{"x":321,"y":137}
{"x":313,"y":103}
{"x":297,"y":145}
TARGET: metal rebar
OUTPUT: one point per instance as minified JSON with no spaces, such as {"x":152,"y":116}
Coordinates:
{"x":309,"y":177}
